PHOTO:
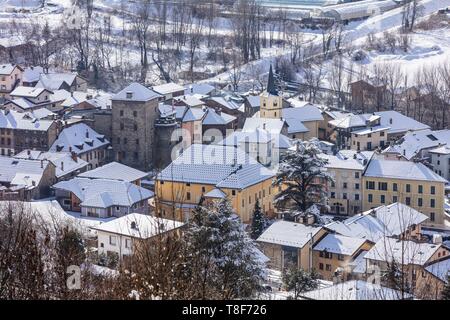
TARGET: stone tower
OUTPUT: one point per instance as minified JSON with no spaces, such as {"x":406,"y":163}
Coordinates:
{"x":134,"y":112}
{"x":271,"y":101}
{"x":165,"y":126}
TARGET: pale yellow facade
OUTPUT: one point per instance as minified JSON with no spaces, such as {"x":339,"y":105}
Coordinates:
{"x":271,"y":106}
{"x":175,"y":200}
{"x":368,"y":141}
{"x":345,"y":194}
{"x":424,"y":196}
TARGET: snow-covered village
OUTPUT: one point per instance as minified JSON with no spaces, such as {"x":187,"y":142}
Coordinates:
{"x":225,"y":150}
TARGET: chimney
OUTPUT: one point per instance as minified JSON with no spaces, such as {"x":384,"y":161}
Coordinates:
{"x":62,"y":165}
{"x":219,"y":111}
{"x":87,"y":133}
{"x":28,"y":152}
{"x":74,"y":156}
{"x":264,"y":126}
{"x":42,"y":164}
{"x":191,"y":88}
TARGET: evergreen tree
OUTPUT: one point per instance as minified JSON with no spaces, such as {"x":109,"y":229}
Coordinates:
{"x":259,"y":221}
{"x":302,"y":173}
{"x":299,"y":280}
{"x":445,"y":294}
{"x":222,"y":260}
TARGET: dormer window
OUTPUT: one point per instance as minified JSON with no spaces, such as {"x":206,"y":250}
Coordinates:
{"x":129,"y":95}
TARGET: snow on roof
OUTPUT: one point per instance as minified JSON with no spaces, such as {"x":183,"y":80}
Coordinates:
{"x":54,"y":81}
{"x":138,"y":225}
{"x":257,"y":136}
{"x":355,"y":290}
{"x":16,"y":120}
{"x":74,"y":99}
{"x":21,"y":172}
{"x":295,"y":103}
{"x":63,"y":161}
{"x":399,"y":123}
{"x":440,"y":269}
{"x":402,"y":251}
{"x":28,"y":92}
{"x":339,"y":244}
{"x":104,"y":193}
{"x":114,"y":171}
{"x":254,"y":101}
{"x":22,"y":103}
{"x":194,"y":114}
{"x":215,"y":118}
{"x":412,"y":143}
{"x":198,"y":88}
{"x":351,"y":120}
{"x":228,"y":103}
{"x":136,"y":92}
{"x":370,"y":130}
{"x":7,"y":69}
{"x":288,"y":233}
{"x":59,"y":95}
{"x":272,"y":125}
{"x":295,"y":116}
{"x":190,"y":100}
{"x":404,"y":170}
{"x":391,"y":220}
{"x":79,"y":138}
{"x":216,"y":194}
{"x":222,"y":166}
{"x":40,"y":113}
{"x":441,"y":150}
{"x":166,"y":110}
{"x":168,"y":88}
{"x":32,"y":74}
{"x":359,"y":264}
{"x":348,"y":159}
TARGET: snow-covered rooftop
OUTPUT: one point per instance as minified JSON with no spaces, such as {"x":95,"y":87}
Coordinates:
{"x":370,"y":130}
{"x":104,"y":193}
{"x":288,"y":233}
{"x":222,"y":166}
{"x":79,"y":138}
{"x":440,"y":269}
{"x":258,"y":136}
{"x":198,"y":88}
{"x":402,"y":251}
{"x":139,"y":226}
{"x":168,"y":88}
{"x":339,"y":244}
{"x":28,"y":92}
{"x":7,"y":69}
{"x":21,"y":172}
{"x":32,"y":74}
{"x":399,"y":123}
{"x":15,"y":120}
{"x":63,"y":161}
{"x":391,"y":220}
{"x":136,"y":92}
{"x":271,"y":125}
{"x":215,"y":194}
{"x":348,"y":159}
{"x":355,"y":290}
{"x":114,"y":171}
{"x":54,"y":81}
{"x":404,"y":170}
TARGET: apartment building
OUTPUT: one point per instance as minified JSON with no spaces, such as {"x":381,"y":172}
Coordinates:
{"x":413,"y":184}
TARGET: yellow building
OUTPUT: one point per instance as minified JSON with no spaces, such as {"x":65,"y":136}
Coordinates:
{"x":413,"y":184}
{"x":289,"y":244}
{"x":369,"y":138}
{"x":334,"y":254}
{"x":214,"y":172}
{"x":271,"y":103}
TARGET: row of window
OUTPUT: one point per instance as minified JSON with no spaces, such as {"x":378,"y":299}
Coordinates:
{"x":344,"y":196}
{"x":370,"y":185}
{"x":345,"y":185}
{"x":135,"y":113}
{"x":407,"y":200}
{"x":113,"y":242}
{"x":125,"y":141}
{"x":122,"y":126}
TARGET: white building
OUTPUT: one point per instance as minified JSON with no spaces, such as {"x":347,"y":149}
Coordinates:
{"x":120,"y":236}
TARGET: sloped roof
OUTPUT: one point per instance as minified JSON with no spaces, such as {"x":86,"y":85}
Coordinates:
{"x":339,"y":244}
{"x":355,"y":290}
{"x":391,"y":220}
{"x":21,"y":171}
{"x":405,"y":170}
{"x":104,"y":193}
{"x":216,"y":194}
{"x":272,"y":125}
{"x":198,"y":88}
{"x":402,"y":251}
{"x":222,"y":166}
{"x":257,"y":136}
{"x":227,"y":103}
{"x":139,"y":93}
{"x":6,"y":69}
{"x":144,"y":226}
{"x":214,"y":118}
{"x":54,"y":81}
{"x":63,"y":161}
{"x":440,"y":269}
{"x":114,"y":171}
{"x":168,"y":88}
{"x":28,"y":92}
{"x":288,"y":233}
{"x":79,"y":138}
{"x":32,"y":74}
{"x":17,"y":120}
{"x":348,"y":159}
{"x":306,"y":113}
{"x":254,"y":101}
{"x":398,"y":122}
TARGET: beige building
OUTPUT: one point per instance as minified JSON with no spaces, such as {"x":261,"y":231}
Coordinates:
{"x":345,"y":192}
{"x":214,"y":171}
{"x":10,"y":78}
{"x":413,"y":184}
{"x":369,"y":139}
{"x":289,"y":244}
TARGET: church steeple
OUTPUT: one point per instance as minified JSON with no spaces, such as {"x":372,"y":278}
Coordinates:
{"x":271,"y":88}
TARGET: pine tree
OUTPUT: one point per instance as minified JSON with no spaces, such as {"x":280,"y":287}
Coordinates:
{"x":222,"y":260}
{"x":300,"y":281}
{"x":259,"y":221}
{"x":302,"y":173}
{"x":445,"y":294}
